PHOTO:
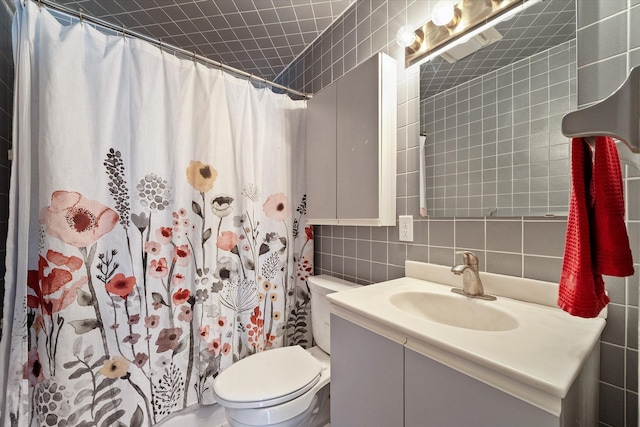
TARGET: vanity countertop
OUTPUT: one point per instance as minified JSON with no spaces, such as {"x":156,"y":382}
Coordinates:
{"x":537,"y":361}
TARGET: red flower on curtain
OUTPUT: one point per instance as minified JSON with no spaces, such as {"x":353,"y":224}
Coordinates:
{"x":164,"y":235}
{"x":308,"y":230}
{"x":77,"y":220}
{"x":121,"y":285}
{"x":159,"y":268}
{"x":181,"y":255}
{"x":181,"y":296}
{"x":45,"y":284}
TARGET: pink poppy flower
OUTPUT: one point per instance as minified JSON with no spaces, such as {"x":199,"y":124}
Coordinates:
{"x":168,"y":339}
{"x":181,"y":296}
{"x":177,"y":279}
{"x":227,"y":240}
{"x":152,"y":247}
{"x":203,"y":331}
{"x":226,"y":348}
{"x":133,"y":319}
{"x":159,"y":268}
{"x":186,"y":313}
{"x":121,"y":285}
{"x":181,"y":255}
{"x":132,"y":338}
{"x":33,"y":369}
{"x":140,"y":360}
{"x":214,"y":346}
{"x":164,"y":235}
{"x":77,"y":220}
{"x":221,"y":321}
{"x":276,"y":207}
{"x":151,"y":321}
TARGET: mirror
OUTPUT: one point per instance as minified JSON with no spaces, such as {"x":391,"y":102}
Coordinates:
{"x":492,"y":143}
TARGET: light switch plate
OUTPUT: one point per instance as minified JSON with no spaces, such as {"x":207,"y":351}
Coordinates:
{"x":405,"y":228}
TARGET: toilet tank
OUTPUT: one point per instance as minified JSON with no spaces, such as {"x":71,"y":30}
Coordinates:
{"x":320,"y":286}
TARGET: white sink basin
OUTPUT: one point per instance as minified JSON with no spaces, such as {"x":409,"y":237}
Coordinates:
{"x":521,"y":343}
{"x":454,"y":310}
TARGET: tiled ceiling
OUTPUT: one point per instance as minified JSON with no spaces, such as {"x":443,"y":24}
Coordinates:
{"x":542,"y":26}
{"x":260,"y":37}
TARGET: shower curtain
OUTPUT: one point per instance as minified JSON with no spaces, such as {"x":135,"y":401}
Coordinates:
{"x":157,"y":230}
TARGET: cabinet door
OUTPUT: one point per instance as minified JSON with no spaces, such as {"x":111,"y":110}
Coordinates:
{"x":357,"y":142}
{"x":321,"y":157}
{"x":366,"y":377}
{"x":438,"y":396}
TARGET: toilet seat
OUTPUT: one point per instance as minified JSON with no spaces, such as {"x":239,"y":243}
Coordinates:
{"x":268,"y":378}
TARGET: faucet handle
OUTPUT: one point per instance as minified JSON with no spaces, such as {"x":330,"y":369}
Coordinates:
{"x":469,"y":257}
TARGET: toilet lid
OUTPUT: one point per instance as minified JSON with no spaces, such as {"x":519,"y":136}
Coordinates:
{"x":269,"y":375}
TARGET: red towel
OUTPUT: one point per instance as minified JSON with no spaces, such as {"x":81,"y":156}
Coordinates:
{"x":612,"y":254}
{"x":596,"y":241}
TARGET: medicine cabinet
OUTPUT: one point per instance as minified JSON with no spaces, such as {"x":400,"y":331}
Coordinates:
{"x":351,"y":147}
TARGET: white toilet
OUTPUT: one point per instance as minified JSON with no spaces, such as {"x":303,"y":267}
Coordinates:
{"x":287,"y":386}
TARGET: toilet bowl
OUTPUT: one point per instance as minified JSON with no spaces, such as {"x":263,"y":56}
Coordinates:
{"x":287,"y":386}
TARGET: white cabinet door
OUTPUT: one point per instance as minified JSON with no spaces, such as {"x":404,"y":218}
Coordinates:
{"x":351,"y":147}
{"x":321,"y":157}
{"x":366,"y":377}
{"x":438,"y":396}
{"x":358,"y":154}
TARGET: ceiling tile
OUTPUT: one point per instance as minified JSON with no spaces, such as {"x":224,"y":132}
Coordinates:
{"x":268,"y":29}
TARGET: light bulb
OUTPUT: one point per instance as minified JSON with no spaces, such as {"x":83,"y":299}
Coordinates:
{"x":443,"y":12}
{"x":405,"y":36}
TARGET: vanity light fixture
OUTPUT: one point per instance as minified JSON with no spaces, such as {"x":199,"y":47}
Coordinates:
{"x":406,"y":37}
{"x":444,"y":13}
{"x":453,"y":24}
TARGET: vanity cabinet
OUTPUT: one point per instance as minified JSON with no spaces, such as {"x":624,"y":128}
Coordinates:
{"x":351,"y":147}
{"x":366,"y":377}
{"x":380,"y":381}
{"x":436,"y":395}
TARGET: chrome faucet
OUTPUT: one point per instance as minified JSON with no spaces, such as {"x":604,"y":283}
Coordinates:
{"x":471,"y":283}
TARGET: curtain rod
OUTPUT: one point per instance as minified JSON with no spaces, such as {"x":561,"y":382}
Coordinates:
{"x":160,"y":44}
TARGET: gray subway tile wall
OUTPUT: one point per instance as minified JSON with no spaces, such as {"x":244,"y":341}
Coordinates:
{"x":494,"y":145}
{"x":516,"y":246}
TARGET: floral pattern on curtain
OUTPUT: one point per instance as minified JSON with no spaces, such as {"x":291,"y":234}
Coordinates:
{"x":156,"y":258}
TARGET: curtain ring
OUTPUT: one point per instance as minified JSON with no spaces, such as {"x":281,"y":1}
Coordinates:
{"x":80,"y":16}
{"x":194,"y":57}
{"x":124,"y":33}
